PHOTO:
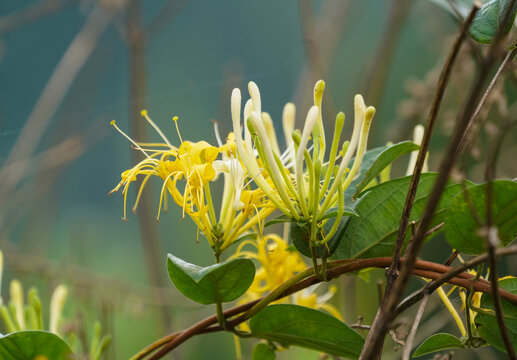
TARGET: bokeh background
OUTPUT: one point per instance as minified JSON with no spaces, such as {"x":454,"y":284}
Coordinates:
{"x":68,"y":67}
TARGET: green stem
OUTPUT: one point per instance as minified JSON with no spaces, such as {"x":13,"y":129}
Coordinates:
{"x":220,"y":316}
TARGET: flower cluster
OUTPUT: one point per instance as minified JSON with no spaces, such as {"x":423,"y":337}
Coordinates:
{"x":301,"y":182}
{"x":187,"y":172}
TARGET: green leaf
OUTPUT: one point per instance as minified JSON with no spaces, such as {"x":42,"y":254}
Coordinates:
{"x":369,"y":158}
{"x":462,"y":229}
{"x":438,"y":342}
{"x":263,"y":352}
{"x":222,"y":282}
{"x":489,"y":19}
{"x":374,"y":232}
{"x":299,"y":236}
{"x":308,"y":328}
{"x":503,"y":8}
{"x":27,"y":345}
{"x":487,"y":324}
{"x":386,"y":157}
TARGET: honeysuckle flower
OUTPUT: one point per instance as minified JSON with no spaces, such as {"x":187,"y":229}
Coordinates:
{"x":418,"y":134}
{"x":187,"y":172}
{"x":57,"y":303}
{"x":302,"y":185}
{"x":278,"y":263}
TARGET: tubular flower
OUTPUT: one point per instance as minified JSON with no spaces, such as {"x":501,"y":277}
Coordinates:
{"x":471,"y":303}
{"x":186,"y":172}
{"x":301,"y":182}
{"x":278,"y":264}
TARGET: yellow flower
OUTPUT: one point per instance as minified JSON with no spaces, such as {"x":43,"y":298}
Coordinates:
{"x":186,"y":172}
{"x":278,"y":264}
{"x":301,"y":182}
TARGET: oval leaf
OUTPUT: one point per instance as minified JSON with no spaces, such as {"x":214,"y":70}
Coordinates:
{"x":386,"y":157}
{"x":489,"y":19}
{"x":461,"y":228}
{"x":308,"y":328}
{"x":374,"y":232}
{"x":487,"y":324}
{"x":263,"y":352}
{"x":222,"y":282}
{"x":369,"y":158}
{"x":438,"y":342}
{"x":29,"y":345}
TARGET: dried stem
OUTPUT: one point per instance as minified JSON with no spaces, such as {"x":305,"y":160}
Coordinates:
{"x":392,"y":272}
{"x":411,"y":337}
{"x":492,"y":239}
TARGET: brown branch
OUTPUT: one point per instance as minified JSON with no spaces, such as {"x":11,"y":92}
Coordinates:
{"x":409,"y":341}
{"x":435,"y":284}
{"x":392,"y":272}
{"x":437,"y":272}
{"x":467,"y":137}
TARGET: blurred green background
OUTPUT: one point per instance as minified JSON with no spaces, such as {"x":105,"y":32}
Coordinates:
{"x":67,"y":68}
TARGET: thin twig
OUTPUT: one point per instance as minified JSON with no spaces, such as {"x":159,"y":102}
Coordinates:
{"x":504,"y":66}
{"x":492,"y":241}
{"x":435,"y":284}
{"x":409,"y":340}
{"x":392,"y":272}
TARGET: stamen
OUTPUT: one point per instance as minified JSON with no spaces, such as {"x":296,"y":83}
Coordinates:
{"x":146,"y":116}
{"x":175,"y":119}
{"x":127,"y":137}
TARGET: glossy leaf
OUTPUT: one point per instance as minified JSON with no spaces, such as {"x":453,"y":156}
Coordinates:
{"x":487,"y":324}
{"x":223,"y":282}
{"x":438,"y":342}
{"x":263,"y":352}
{"x":308,"y":328}
{"x":369,"y":158}
{"x":489,"y":19}
{"x":386,"y":157}
{"x":29,"y":345}
{"x":374,"y":232}
{"x":461,"y":228}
